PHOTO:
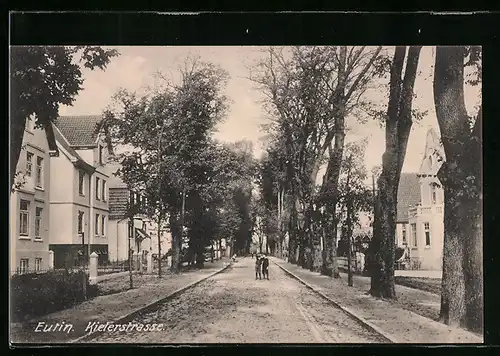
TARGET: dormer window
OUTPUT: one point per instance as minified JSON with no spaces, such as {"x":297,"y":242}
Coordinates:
{"x":430,"y":161}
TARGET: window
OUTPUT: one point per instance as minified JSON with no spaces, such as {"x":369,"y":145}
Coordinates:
{"x":39,"y":170}
{"x":24,"y":218}
{"x":80,"y":222}
{"x":97,"y":188}
{"x":24,"y":265}
{"x":100,"y":154}
{"x":427,"y":234}
{"x":414,"y":235}
{"x":29,"y":163}
{"x":103,"y":190}
{"x":38,"y":264}
{"x":103,"y":225}
{"x":404,"y":234}
{"x":97,"y":221}
{"x":38,"y":223}
{"x":433,"y":194}
{"x":81,"y":182}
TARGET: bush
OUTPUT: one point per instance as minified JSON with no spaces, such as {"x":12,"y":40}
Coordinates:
{"x":40,"y":294}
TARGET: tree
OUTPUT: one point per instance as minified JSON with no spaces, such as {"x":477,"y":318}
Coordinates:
{"x":460,"y":174}
{"x":398,"y":124}
{"x":308,"y":91}
{"x":179,"y":161}
{"x":41,"y":79}
{"x":354,"y":196}
{"x":355,"y":69}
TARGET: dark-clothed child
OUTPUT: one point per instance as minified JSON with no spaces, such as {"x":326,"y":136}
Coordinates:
{"x":265,"y":267}
{"x":258,"y":267}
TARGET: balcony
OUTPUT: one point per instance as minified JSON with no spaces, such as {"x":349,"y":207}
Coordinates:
{"x":425,"y":210}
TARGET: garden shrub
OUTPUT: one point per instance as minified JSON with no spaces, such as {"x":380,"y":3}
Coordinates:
{"x":36,"y":294}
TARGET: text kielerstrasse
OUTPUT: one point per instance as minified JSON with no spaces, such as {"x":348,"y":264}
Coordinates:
{"x":95,"y":326}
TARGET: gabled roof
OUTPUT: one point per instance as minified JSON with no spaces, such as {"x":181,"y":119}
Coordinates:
{"x":408,"y":195}
{"x":76,"y":159}
{"x":80,"y":131}
{"x":51,"y":140}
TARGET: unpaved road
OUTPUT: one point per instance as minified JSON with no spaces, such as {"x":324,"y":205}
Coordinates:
{"x":233,"y":307}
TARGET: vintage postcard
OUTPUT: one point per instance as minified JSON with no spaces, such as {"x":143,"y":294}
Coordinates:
{"x":245,"y":194}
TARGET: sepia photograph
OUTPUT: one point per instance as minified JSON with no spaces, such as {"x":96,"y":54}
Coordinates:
{"x":246,"y":194}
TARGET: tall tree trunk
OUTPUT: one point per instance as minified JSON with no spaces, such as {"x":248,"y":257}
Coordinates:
{"x":335,"y":160}
{"x":175,"y":229}
{"x":462,"y":284}
{"x":159,"y":222}
{"x":397,"y":131}
{"x":292,"y":232}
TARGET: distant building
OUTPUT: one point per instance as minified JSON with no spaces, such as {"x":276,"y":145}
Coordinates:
{"x":426,"y":219}
{"x":126,"y":229}
{"x":30,"y":228}
{"x":420,"y":211}
{"x":79,"y":192}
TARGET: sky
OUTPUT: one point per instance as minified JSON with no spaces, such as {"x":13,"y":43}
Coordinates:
{"x":135,"y":68}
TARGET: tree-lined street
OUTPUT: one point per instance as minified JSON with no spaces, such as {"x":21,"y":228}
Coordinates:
{"x":236,"y":308}
{"x":299,"y":202}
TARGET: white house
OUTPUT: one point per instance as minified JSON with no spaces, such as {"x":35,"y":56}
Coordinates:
{"x":79,"y":192}
{"x":29,"y":201}
{"x":419,"y":220}
{"x":426,"y":224}
{"x":137,"y":232}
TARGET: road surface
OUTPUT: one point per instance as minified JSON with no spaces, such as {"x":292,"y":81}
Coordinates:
{"x":233,"y":307}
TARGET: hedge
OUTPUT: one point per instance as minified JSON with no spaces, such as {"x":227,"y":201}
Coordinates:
{"x":35,"y":294}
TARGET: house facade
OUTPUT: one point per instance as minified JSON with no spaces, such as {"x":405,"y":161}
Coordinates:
{"x":420,"y":227}
{"x":79,"y":192}
{"x":29,"y":202}
{"x":136,"y":232}
{"x":426,"y":220}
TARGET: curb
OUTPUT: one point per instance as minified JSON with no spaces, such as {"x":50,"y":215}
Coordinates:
{"x":355,"y":316}
{"x":127,"y":317}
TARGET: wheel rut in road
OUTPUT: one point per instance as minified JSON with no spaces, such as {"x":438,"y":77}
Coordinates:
{"x":234,"y":307}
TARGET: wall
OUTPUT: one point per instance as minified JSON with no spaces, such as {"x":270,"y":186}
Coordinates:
{"x":27,"y":247}
{"x":63,"y":221}
{"x":87,"y":155}
{"x":430,"y":256}
{"x":118,"y":240}
{"x":61,"y":188}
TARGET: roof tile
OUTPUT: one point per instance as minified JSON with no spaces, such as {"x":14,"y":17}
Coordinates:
{"x":79,"y":130}
{"x":408,"y":195}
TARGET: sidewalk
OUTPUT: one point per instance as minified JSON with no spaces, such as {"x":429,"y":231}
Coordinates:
{"x":108,"y":308}
{"x":402,"y":324}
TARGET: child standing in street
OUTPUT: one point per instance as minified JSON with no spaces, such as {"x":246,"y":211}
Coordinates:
{"x":265,"y":267}
{"x":258,"y":267}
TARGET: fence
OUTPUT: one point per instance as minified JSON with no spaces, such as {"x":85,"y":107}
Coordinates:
{"x":108,"y":268}
{"x":113,"y":267}
{"x":410,"y":263}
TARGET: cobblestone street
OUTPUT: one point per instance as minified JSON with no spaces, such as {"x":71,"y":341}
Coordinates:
{"x":234,"y":307}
